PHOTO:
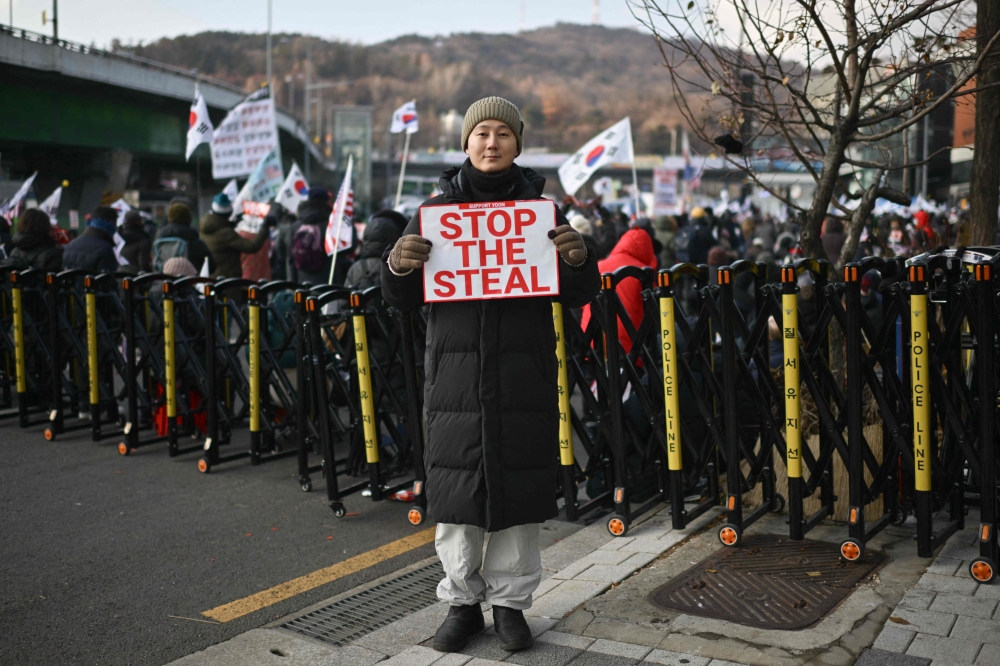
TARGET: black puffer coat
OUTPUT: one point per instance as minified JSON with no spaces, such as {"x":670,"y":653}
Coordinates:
{"x":93,"y":251}
{"x":380,"y":233}
{"x":35,"y":251}
{"x":491,"y":409}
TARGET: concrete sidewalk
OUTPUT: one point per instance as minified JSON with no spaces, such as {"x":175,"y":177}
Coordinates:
{"x":592,"y":608}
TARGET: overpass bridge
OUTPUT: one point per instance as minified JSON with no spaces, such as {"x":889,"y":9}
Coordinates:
{"x":111,"y":123}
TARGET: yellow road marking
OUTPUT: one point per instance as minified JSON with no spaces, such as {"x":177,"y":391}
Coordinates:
{"x":247,"y":605}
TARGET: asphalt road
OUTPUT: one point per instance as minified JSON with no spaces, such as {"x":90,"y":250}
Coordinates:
{"x":97,"y":550}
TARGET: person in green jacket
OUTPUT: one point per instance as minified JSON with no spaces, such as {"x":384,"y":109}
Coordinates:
{"x":226,"y":246}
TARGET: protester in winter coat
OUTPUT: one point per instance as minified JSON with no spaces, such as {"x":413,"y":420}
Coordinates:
{"x":33,"y":244}
{"x":219,"y":235}
{"x":94,"y":250}
{"x":381,"y":233}
{"x":665,"y":228}
{"x":308,"y":261}
{"x":491,"y":406}
{"x":697,"y":238}
{"x":138,"y":249}
{"x":178,"y":225}
{"x":833,"y":239}
{"x":256,"y":266}
{"x":634,"y":249}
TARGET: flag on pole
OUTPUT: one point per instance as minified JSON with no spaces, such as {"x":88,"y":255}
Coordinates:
{"x":612,"y":145}
{"x":199,"y":125}
{"x":231,"y":190}
{"x":9,"y":208}
{"x":405,"y":118}
{"x":339,"y":229}
{"x":263,"y":183}
{"x":294,"y":190}
{"x":51,"y":205}
{"x":122,"y":207}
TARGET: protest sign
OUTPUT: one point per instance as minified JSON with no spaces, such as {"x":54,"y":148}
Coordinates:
{"x":490,"y":250}
{"x":664,"y":191}
{"x":247,"y":135}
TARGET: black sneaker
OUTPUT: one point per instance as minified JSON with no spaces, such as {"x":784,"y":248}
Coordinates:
{"x":512,"y":628}
{"x":461,"y":623}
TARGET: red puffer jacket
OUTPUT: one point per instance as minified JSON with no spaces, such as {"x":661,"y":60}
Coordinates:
{"x":635,"y":248}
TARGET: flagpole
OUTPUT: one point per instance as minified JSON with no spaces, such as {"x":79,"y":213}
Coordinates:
{"x":402,"y":168}
{"x":336,"y":250}
{"x":635,"y":186}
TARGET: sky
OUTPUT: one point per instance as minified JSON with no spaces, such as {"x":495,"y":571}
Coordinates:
{"x":100,"y":21}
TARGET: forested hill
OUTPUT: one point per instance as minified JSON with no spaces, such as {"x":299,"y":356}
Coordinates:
{"x":570,"y":81}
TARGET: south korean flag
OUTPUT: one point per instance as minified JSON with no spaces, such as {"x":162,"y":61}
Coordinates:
{"x":199,"y":125}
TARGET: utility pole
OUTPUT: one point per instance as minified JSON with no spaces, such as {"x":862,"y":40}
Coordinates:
{"x":270,"y":82}
{"x":55,"y":20}
{"x":308,"y":108}
{"x":595,"y":17}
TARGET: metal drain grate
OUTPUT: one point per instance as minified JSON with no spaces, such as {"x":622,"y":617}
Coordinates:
{"x":769,"y":582}
{"x":351,"y":618}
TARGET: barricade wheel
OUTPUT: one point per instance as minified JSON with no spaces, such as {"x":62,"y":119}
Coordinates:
{"x":338,"y":509}
{"x":123,"y":448}
{"x":617,"y":526}
{"x":204,"y":466}
{"x":415,"y":515}
{"x":730,"y":536}
{"x":779,"y":503}
{"x":852,"y":550}
{"x":50,"y":434}
{"x":899,"y":515}
{"x":983,"y":569}
{"x":306,"y":485}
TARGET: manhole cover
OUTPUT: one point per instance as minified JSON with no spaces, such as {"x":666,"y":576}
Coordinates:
{"x":769,"y":582}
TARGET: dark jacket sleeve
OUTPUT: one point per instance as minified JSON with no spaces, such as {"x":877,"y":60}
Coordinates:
{"x":246,"y":245}
{"x":578,"y":285}
{"x":405,"y":292}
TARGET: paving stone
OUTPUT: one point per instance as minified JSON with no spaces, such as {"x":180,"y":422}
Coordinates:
{"x":410,"y":630}
{"x":617,"y":543}
{"x":574,"y":570}
{"x":893,"y":639}
{"x":947,"y":584}
{"x":546,"y":586}
{"x":991,"y":591}
{"x":961,"y":546}
{"x":598,"y":659}
{"x":719,"y":662}
{"x":539,"y":625}
{"x":349,"y":655}
{"x":730,"y":649}
{"x":944,"y":566}
{"x":963,"y":605}
{"x":917,"y":598}
{"x":453,"y":659}
{"x":667,"y":658}
{"x":544,"y":654}
{"x":566,"y":640}
{"x":644,"y":544}
{"x":483,"y":662}
{"x":948,"y":650}
{"x":988,"y":657}
{"x":486,"y":645}
{"x":974,"y":628}
{"x":876,"y":657}
{"x":927,"y":622}
{"x":417,"y":655}
{"x":856,"y":640}
{"x":614,"y":573}
{"x":650,"y":530}
{"x":625,"y":632}
{"x":572,"y":548}
{"x":562,"y":600}
{"x":619,"y":649}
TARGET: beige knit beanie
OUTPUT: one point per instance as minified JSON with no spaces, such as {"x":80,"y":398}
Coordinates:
{"x":492,"y":108}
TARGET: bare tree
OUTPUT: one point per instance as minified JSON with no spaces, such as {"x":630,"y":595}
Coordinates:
{"x":985,"y":184}
{"x":836,"y":86}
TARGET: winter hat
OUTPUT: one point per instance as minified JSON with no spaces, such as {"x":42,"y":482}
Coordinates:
{"x":178,"y":213}
{"x":179,"y":267}
{"x":317,"y":193}
{"x":107,"y":226}
{"x":397,"y":218}
{"x":221,"y":205}
{"x":697,"y":213}
{"x":581,"y":224}
{"x":492,"y":108}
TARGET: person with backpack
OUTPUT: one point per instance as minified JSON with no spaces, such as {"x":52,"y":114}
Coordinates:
{"x":94,"y":250}
{"x":223,"y":241}
{"x":177,"y":238}
{"x":695,"y":239}
{"x":33,"y":244}
{"x":138,"y":249}
{"x":308,"y":253}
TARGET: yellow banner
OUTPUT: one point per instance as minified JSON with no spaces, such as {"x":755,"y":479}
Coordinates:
{"x":168,"y":354}
{"x":22,"y":382}
{"x":93,"y":369}
{"x":671,"y":403}
{"x":565,"y":424}
{"x":365,"y":389}
{"x":793,"y":412}
{"x":254,"y":361}
{"x":920,"y":381}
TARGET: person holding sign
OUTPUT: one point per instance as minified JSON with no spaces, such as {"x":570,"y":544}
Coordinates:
{"x":490,"y":255}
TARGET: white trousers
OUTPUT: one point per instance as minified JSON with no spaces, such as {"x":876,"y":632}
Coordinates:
{"x":501,"y":568}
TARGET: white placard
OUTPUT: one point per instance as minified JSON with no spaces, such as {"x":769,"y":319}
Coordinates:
{"x":247,"y":135}
{"x":496,"y":249}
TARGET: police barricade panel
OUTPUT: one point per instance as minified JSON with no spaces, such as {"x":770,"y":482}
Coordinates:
{"x":68,"y":340}
{"x":32,"y":345}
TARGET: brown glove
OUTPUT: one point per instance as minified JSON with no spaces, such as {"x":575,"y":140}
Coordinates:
{"x":570,"y":245}
{"x":409,"y":253}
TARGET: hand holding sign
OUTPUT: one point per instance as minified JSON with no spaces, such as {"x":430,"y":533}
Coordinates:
{"x":489,"y":250}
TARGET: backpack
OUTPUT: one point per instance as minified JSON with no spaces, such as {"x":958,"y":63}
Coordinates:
{"x":308,"y":252}
{"x":168,"y":248}
{"x":682,"y":243}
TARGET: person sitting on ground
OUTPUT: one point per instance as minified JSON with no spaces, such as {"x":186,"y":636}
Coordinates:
{"x":138,"y":249}
{"x":33,"y":244}
{"x":491,"y":405}
{"x":178,"y":226}
{"x":225,"y":244}
{"x":94,"y":250}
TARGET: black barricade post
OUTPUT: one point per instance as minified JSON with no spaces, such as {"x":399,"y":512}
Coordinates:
{"x":253,"y":319}
{"x":306,"y":402}
{"x":69,"y":356}
{"x":731,"y":533}
{"x":984,"y":567}
{"x":921,"y":395}
{"x":213,"y":392}
{"x":30,"y":347}
{"x":131,"y":429}
{"x":93,"y":363}
{"x":366,"y":396}
{"x":853,"y":547}
{"x":19,"y":352}
{"x":414,"y":425}
{"x":619,"y":523}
